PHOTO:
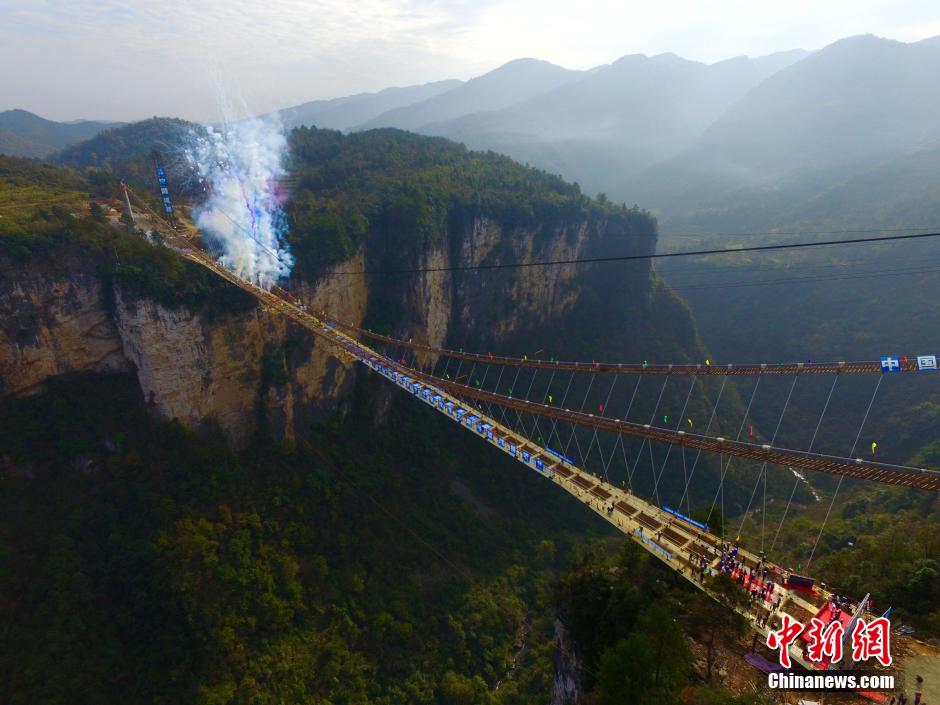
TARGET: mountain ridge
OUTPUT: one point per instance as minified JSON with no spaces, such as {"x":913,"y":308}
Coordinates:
{"x":25,"y":134}
{"x":616,"y":120}
{"x":505,"y":85}
{"x":346,"y":112}
{"x":854,"y":103}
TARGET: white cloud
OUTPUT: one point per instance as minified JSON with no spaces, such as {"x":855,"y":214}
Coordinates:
{"x":126,"y":60}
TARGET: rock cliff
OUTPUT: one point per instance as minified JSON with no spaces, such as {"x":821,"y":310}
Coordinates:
{"x":232,"y":369}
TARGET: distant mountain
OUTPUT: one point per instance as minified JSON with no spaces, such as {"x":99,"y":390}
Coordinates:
{"x":347,"y":112}
{"x":772,"y":63}
{"x":24,"y":134}
{"x":507,"y":85}
{"x":15,"y":145}
{"x":617,"y":120}
{"x":124,"y":152}
{"x":851,"y":105}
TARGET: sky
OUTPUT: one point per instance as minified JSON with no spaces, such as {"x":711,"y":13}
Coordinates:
{"x":209,"y":59}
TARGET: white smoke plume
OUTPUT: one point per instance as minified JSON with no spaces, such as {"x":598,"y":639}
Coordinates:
{"x":240,"y":164}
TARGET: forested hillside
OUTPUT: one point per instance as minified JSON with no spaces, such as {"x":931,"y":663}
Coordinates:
{"x":374,"y":557}
{"x":157,"y":564}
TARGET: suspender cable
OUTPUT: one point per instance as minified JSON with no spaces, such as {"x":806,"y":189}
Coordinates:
{"x":583,"y":402}
{"x":811,"y":443}
{"x":489,"y":407}
{"x":594,"y":438}
{"x":763,"y":467}
{"x":686,"y":495}
{"x":724,"y":466}
{"x":528,"y":392}
{"x":652,"y":419}
{"x":535,"y":418}
{"x":841,"y":477}
{"x":514,"y":380}
{"x":685,"y":476}
{"x":555,"y":421}
{"x":669,"y":450}
{"x":626,"y":417}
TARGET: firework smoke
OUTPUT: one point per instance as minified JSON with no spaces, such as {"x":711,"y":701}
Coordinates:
{"x":240,"y":164}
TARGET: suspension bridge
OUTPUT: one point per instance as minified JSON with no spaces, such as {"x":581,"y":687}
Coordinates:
{"x":511,"y":423}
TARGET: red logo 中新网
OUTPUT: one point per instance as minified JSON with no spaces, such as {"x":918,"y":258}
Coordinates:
{"x":824,"y":641}
{"x":783,"y":637}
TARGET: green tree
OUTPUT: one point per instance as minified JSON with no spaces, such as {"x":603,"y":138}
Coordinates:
{"x":713,"y":621}
{"x":649,"y":666}
{"x":463,"y":690}
{"x":97,"y":213}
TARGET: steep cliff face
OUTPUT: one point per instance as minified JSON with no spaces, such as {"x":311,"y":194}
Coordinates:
{"x":52,"y":324}
{"x":67,"y":319}
{"x":240,"y":369}
{"x":497,"y":304}
{"x":504,"y":300}
{"x":566,"y":688}
{"x":439,"y":303}
{"x":525,"y":296}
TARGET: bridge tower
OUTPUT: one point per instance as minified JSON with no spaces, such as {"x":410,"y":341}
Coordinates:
{"x":126,"y":200}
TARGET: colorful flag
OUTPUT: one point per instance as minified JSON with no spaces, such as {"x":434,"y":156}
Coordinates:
{"x":890,"y":364}
{"x":926,"y":362}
